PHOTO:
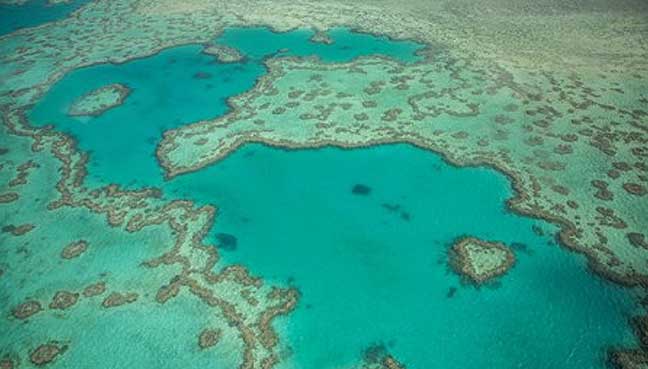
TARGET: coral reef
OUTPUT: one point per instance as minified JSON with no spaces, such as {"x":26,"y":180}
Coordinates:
{"x":547,"y":110}
{"x":223,"y":54}
{"x":480,"y":260}
{"x":98,"y":101}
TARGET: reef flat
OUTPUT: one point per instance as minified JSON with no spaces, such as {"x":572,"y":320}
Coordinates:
{"x":96,"y":102}
{"x":480,"y":260}
{"x":494,"y":87}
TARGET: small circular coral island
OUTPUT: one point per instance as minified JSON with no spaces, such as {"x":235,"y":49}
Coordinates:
{"x":480,"y":260}
{"x":98,"y":101}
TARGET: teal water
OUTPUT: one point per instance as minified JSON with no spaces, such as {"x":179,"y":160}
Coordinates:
{"x":167,"y":92}
{"x":369,"y":275}
{"x":258,"y":42}
{"x":371,"y":268}
{"x":34,"y":13}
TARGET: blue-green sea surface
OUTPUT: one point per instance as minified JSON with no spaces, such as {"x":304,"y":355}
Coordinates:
{"x":34,"y":13}
{"x":259,"y":42}
{"x":371,"y":268}
{"x":182,"y":85}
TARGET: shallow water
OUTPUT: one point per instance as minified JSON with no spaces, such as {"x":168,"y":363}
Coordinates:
{"x":371,"y":268}
{"x":34,"y":13}
{"x":371,"y":274}
{"x":168,"y":92}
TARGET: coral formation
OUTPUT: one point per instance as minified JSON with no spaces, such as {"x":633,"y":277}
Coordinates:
{"x":547,"y":110}
{"x":480,"y":260}
{"x":98,"y":101}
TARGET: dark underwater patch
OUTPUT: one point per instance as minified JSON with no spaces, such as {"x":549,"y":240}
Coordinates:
{"x":202,"y":75}
{"x":537,"y":230}
{"x":517,"y":246}
{"x":451,"y":292}
{"x":396,"y":208}
{"x":226,"y":241}
{"x":391,"y":207}
{"x":361,"y":189}
{"x":520,"y":247}
{"x":374,"y":353}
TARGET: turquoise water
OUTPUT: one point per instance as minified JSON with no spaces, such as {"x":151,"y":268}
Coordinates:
{"x":258,"y":42}
{"x":367,"y":274}
{"x":167,"y":93}
{"x":371,"y":268}
{"x":34,"y":13}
